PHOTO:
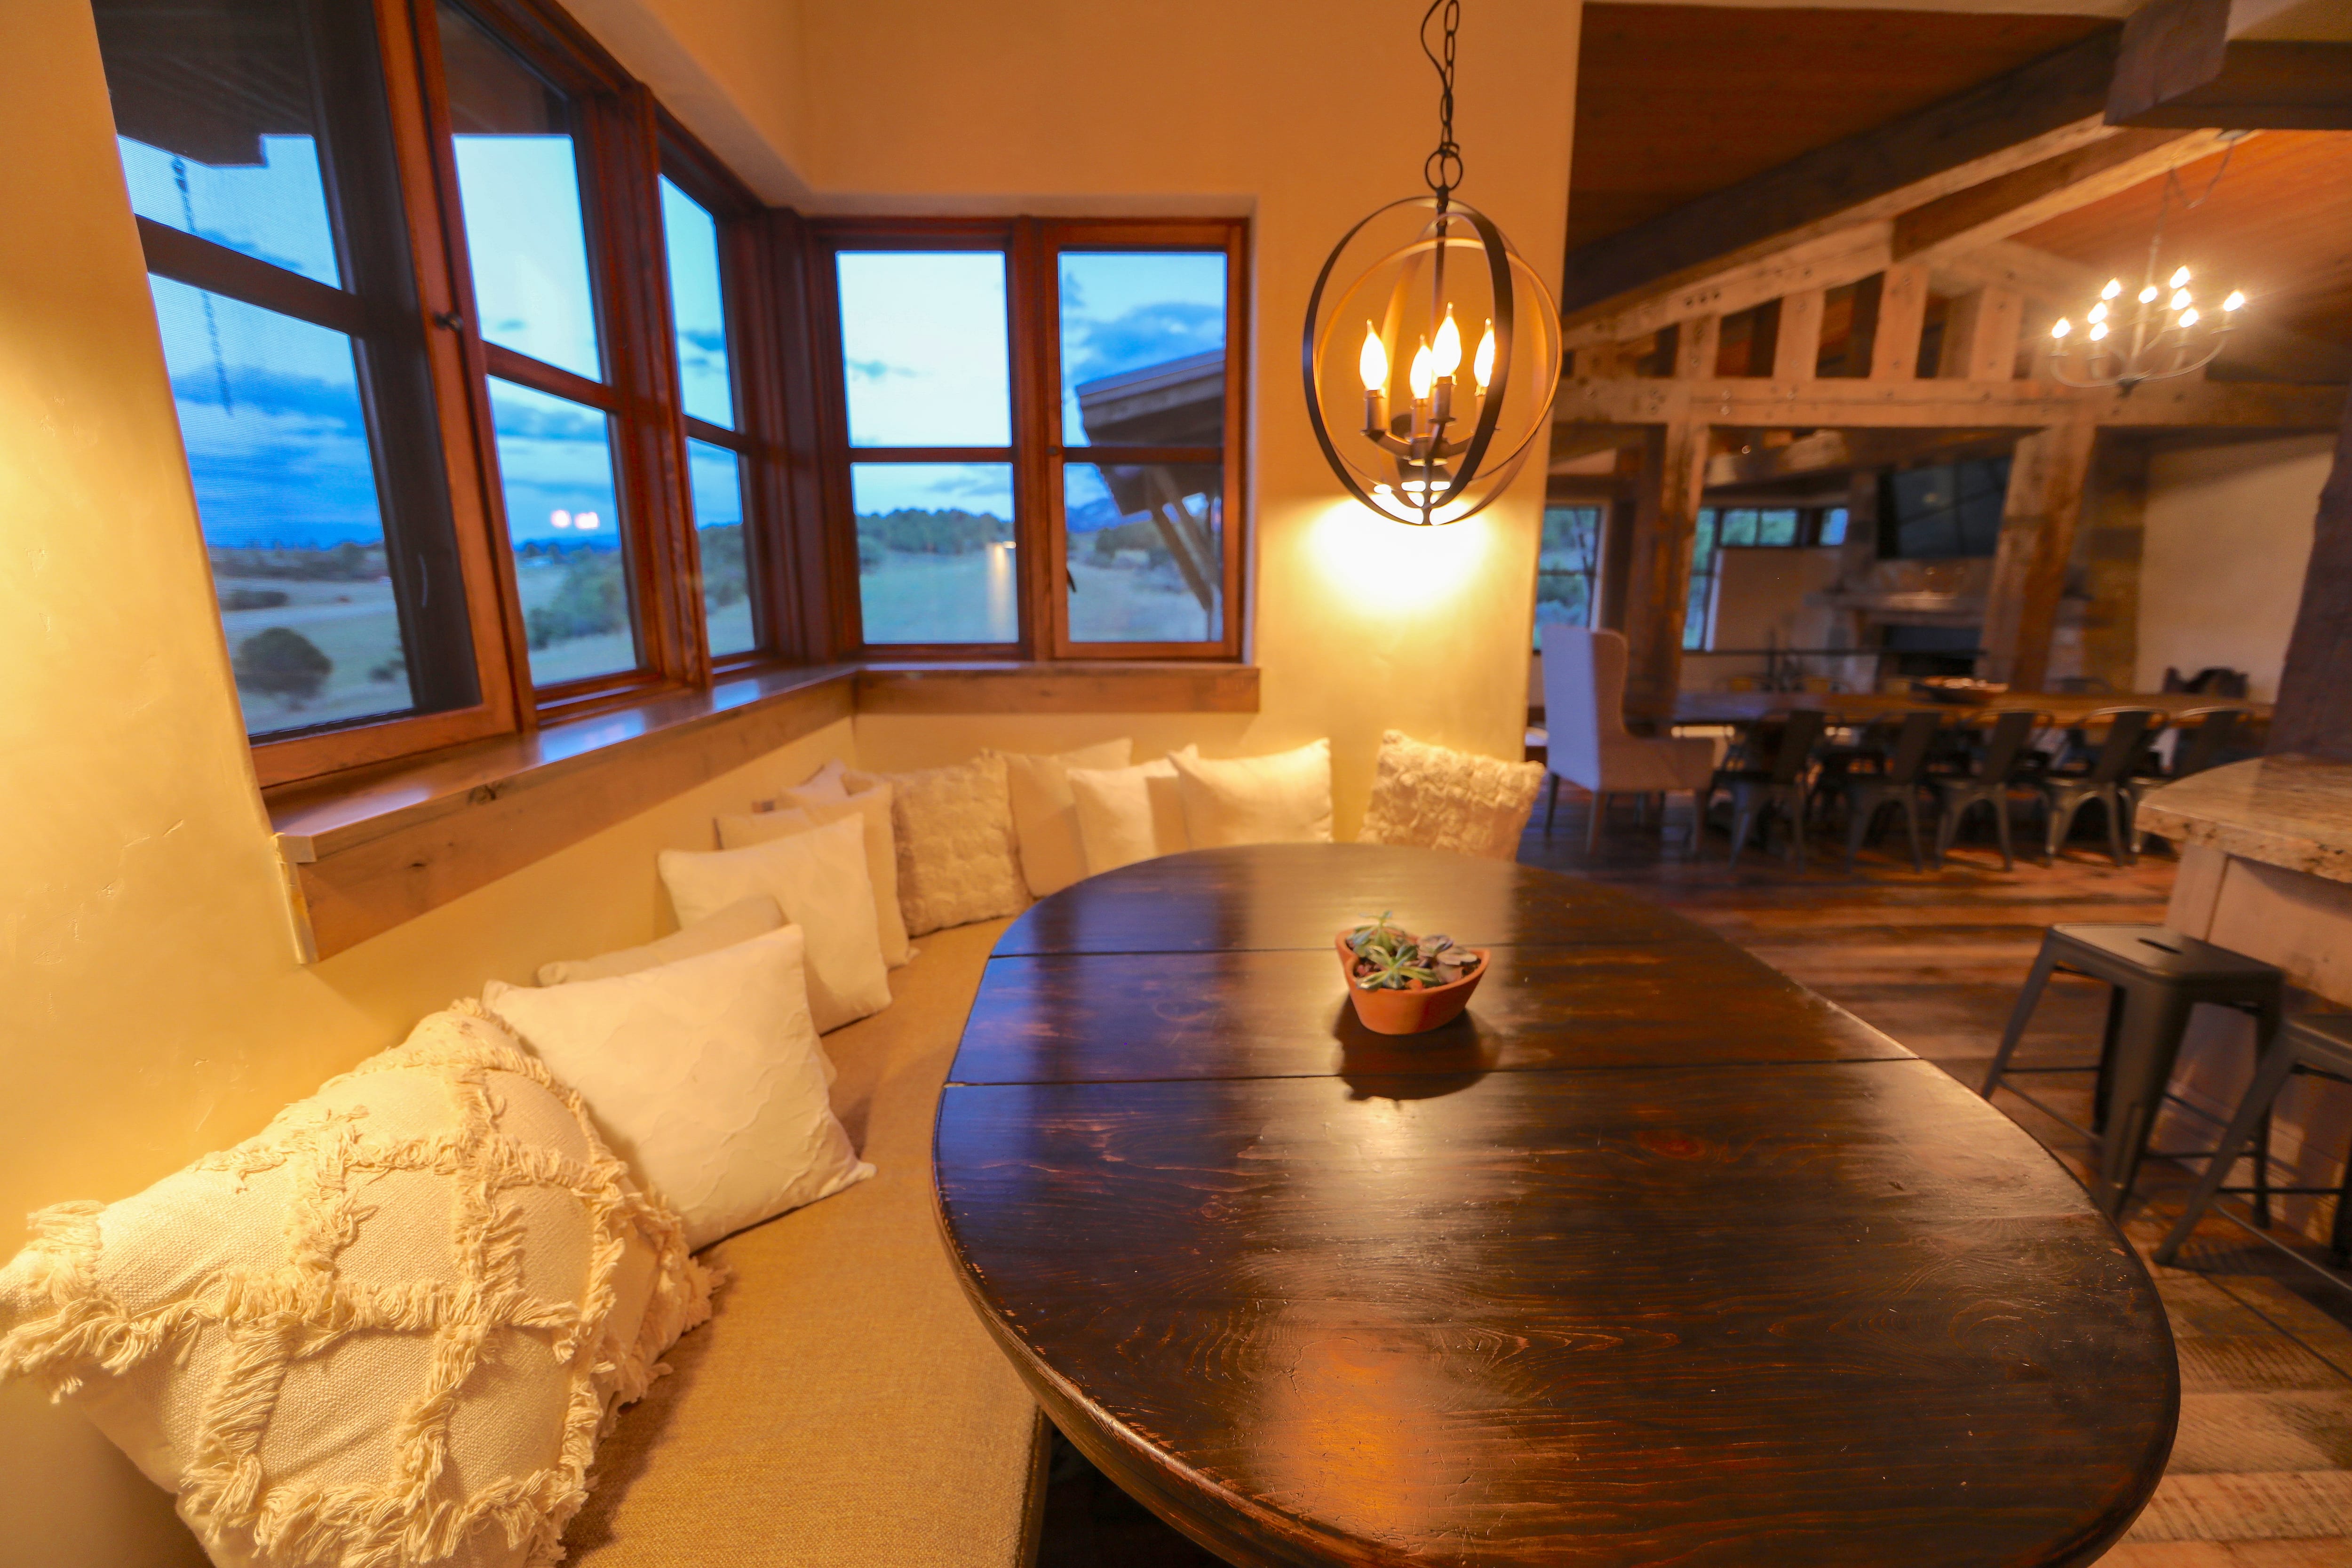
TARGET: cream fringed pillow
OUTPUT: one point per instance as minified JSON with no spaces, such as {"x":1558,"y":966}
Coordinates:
{"x":1439,"y":799}
{"x":954,"y":830}
{"x":387,"y":1331}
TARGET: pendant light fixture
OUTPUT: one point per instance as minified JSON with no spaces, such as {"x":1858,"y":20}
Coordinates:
{"x":1383,"y":354}
{"x":2160,"y":331}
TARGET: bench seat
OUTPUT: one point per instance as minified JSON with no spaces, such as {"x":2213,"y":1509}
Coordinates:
{"x":843,"y":1406}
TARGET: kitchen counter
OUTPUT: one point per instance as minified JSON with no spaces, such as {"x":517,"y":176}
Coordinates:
{"x":2288,"y":812}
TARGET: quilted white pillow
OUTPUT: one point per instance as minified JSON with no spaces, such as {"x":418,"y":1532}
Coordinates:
{"x":818,"y":879}
{"x":1282,"y":799}
{"x":1045,"y":815}
{"x":1440,"y":798}
{"x":739,"y":921}
{"x":704,"y":1075}
{"x":954,"y":829}
{"x":871,"y":807}
{"x":1125,"y":815}
{"x":387,"y":1329}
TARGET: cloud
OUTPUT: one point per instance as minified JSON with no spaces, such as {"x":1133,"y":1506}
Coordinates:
{"x":1149,"y":335}
{"x":874,"y":369}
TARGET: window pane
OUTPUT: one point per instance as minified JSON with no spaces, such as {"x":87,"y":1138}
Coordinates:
{"x":1702,"y":587}
{"x":1146,"y":552}
{"x":277,"y":446}
{"x":563,"y":519}
{"x":716,"y":475}
{"x":216,"y":103}
{"x":698,"y":306}
{"x":923,"y":348}
{"x":1144,"y":348}
{"x":1833,"y":525}
{"x":1568,"y":566}
{"x":1738,"y":527}
{"x":519,"y":184}
{"x":936,"y":562}
{"x":1776,"y":527}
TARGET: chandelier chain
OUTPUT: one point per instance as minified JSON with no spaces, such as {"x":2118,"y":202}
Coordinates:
{"x":1442,"y":168}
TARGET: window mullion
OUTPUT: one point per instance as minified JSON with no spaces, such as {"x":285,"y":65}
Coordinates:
{"x":1032,"y":319}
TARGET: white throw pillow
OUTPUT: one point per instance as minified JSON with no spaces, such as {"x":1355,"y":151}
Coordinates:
{"x":1282,"y":799}
{"x":704,"y":1075}
{"x":1439,"y":799}
{"x":819,"y":880}
{"x":739,"y":921}
{"x":824,"y":785}
{"x":1125,"y":815}
{"x":1045,"y":815}
{"x":387,"y":1329}
{"x":954,"y":829}
{"x":871,"y":806}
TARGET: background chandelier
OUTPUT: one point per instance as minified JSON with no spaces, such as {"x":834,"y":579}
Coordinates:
{"x":2160,"y":331}
{"x":1426,"y":271}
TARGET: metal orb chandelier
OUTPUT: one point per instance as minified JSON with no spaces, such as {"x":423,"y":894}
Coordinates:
{"x":2161,"y":331}
{"x":1432,"y":450}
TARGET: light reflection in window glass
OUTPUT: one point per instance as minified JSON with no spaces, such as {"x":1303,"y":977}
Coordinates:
{"x":715,"y":477}
{"x":697,"y":307}
{"x":1145,"y":552}
{"x":936,"y":562}
{"x":277,"y":446}
{"x":273,"y":209}
{"x":563,"y":519}
{"x":923,"y":348}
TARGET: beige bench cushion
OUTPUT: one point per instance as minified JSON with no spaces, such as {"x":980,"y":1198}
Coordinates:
{"x":844,"y":1406}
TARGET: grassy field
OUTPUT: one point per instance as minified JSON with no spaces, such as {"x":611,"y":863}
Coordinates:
{"x":970,"y":598}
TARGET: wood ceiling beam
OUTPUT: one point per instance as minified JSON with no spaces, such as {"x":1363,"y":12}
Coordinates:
{"x":1825,"y":453}
{"x":2012,"y":203}
{"x":2179,"y":66}
{"x":1852,"y":403}
{"x":1825,"y":262}
{"x":2021,"y":116}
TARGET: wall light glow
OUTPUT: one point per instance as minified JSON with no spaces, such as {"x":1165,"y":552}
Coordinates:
{"x":1399,"y":572}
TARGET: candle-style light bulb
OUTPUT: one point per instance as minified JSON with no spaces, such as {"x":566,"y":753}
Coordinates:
{"x":1372,"y":362}
{"x":2061,"y":327}
{"x":1448,"y":348}
{"x":2236,"y":302}
{"x":2115,"y":287}
{"x":2180,"y":298}
{"x":1424,"y":375}
{"x":2147,"y":294}
{"x":2099,"y":311}
{"x":2098,"y":331}
{"x":2181,"y":277}
{"x":2188,"y":318}
{"x":1482,"y":364}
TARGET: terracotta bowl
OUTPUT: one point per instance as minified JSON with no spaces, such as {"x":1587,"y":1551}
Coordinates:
{"x":1409,"y":1012}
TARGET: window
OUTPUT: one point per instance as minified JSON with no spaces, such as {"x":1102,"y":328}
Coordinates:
{"x":474,"y":428}
{"x":1795,"y":527}
{"x":1032,"y":438}
{"x":1567,"y":568}
{"x":257,"y":146}
{"x":1944,"y":512}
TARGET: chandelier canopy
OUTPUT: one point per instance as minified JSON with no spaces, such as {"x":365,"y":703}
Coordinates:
{"x":1383,"y":354}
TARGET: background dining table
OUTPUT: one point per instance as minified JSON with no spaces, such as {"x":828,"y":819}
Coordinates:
{"x":1653,"y":1257}
{"x":1862,"y":706}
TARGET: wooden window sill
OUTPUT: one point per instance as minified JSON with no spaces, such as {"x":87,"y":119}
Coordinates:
{"x":364,"y":854}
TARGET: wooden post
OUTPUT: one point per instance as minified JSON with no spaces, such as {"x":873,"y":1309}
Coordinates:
{"x":2037,"y":540}
{"x":2315,"y":695}
{"x":1657,"y":599}
{"x":1799,"y":347}
{"x":2115,"y":528}
{"x":1902,"y":312}
{"x":1616,"y":564}
{"x":1980,"y":336}
{"x":1697,"y":347}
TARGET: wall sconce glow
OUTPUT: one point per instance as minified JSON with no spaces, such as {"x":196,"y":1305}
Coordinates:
{"x":1415,"y":270}
{"x":1398,"y":573}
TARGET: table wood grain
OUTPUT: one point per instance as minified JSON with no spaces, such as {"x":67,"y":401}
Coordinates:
{"x":1654,"y":1259}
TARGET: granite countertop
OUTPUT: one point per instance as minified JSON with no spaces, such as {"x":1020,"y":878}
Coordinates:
{"x":2290,"y":811}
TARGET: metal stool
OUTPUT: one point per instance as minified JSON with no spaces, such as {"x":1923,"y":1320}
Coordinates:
{"x":2320,"y":1045}
{"x":2158,"y":975}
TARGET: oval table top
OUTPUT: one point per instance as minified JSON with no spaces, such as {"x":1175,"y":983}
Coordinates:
{"x":1654,"y":1258}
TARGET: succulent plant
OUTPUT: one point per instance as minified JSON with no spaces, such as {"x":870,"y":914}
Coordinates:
{"x":1389,"y":958}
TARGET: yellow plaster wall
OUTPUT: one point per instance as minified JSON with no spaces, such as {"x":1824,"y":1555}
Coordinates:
{"x":150,"y":1006}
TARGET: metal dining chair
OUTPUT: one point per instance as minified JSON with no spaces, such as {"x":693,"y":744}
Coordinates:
{"x":1778,"y":784}
{"x":2064,"y":794}
{"x":1896,"y":783}
{"x":2007,"y":764}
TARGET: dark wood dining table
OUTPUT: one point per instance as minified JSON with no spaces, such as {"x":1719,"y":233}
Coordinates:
{"x":1653,"y":1257}
{"x":1862,"y":707}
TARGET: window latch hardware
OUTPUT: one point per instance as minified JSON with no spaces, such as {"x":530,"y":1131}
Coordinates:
{"x":449,"y":319}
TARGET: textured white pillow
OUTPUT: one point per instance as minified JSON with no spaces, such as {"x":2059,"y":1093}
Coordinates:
{"x":1282,"y":799}
{"x":819,"y":880}
{"x":704,"y":1075}
{"x":954,"y":829}
{"x":739,"y":921}
{"x":1125,"y":815}
{"x":386,"y":1330}
{"x":871,"y":806}
{"x":1440,"y":798}
{"x":1045,"y":815}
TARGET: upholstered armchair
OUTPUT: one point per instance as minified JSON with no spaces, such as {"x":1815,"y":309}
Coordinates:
{"x":1584,"y":715}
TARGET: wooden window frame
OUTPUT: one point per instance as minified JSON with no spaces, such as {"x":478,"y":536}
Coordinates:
{"x":1037,"y":454}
